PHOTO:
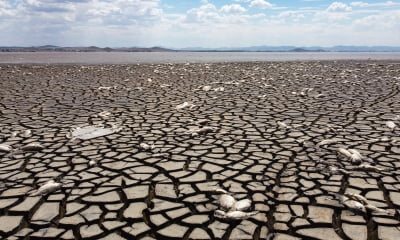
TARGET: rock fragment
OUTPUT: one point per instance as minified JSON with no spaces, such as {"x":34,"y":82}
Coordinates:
{"x":185,"y":105}
{"x":234,"y":215}
{"x":49,"y":187}
{"x":391,"y":125}
{"x":90,"y":132}
{"x":5,"y":148}
{"x":32,"y":147}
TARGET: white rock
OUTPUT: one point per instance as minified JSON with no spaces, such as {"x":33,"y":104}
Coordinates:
{"x":242,"y":205}
{"x":32,"y":147}
{"x":344,"y":152}
{"x":234,"y":215}
{"x":49,"y":187}
{"x":391,"y":125}
{"x":145,"y":146}
{"x":104,"y":114}
{"x":206,"y":88}
{"x":5,"y":148}
{"x":282,"y":124}
{"x":226,"y":201}
{"x":27,"y":133}
{"x":184,"y":105}
{"x":89,"y":132}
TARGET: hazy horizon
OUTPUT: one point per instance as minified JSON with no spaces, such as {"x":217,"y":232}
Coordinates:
{"x":194,"y":47}
{"x":202,"y":23}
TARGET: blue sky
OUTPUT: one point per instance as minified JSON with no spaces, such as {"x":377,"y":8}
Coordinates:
{"x":200,"y":23}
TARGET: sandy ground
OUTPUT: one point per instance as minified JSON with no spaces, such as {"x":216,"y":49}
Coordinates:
{"x":314,"y":146}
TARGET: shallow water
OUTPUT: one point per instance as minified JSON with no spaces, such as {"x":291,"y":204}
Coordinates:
{"x":181,"y":57}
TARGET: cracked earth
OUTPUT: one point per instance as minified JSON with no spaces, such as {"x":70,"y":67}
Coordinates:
{"x":256,"y":130}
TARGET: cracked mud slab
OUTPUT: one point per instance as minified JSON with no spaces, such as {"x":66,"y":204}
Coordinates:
{"x":273,"y":130}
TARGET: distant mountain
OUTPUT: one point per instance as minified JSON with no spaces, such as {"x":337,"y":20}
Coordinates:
{"x":364,"y":49}
{"x":52,"y":48}
{"x":298,"y":49}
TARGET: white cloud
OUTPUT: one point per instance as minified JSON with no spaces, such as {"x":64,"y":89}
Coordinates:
{"x":4,"y":4}
{"x":378,"y":4}
{"x":260,"y":4}
{"x":386,"y":20}
{"x":148,"y":22}
{"x":233,"y":8}
{"x":338,"y":7}
{"x":209,"y":14}
{"x":291,"y":15}
{"x":35,"y":3}
{"x":204,"y":13}
{"x":5,"y":9}
{"x":359,"y":4}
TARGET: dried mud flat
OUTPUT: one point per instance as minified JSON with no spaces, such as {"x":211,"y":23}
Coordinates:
{"x":274,"y":133}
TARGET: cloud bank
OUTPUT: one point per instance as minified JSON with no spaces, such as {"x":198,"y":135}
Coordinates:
{"x":205,"y":23}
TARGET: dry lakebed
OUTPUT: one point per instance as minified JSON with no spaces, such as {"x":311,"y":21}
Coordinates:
{"x":251,"y":150}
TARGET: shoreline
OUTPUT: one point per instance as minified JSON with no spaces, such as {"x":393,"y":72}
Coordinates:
{"x":184,"y":57}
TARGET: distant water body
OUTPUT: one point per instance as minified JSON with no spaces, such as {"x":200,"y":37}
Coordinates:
{"x":182,"y":57}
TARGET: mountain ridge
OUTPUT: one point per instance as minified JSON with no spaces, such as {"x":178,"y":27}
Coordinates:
{"x":283,"y":48}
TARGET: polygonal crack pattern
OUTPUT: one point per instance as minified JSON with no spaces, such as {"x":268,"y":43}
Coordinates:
{"x":265,"y":123}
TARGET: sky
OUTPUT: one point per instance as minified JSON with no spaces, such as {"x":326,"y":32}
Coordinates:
{"x":199,"y":23}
